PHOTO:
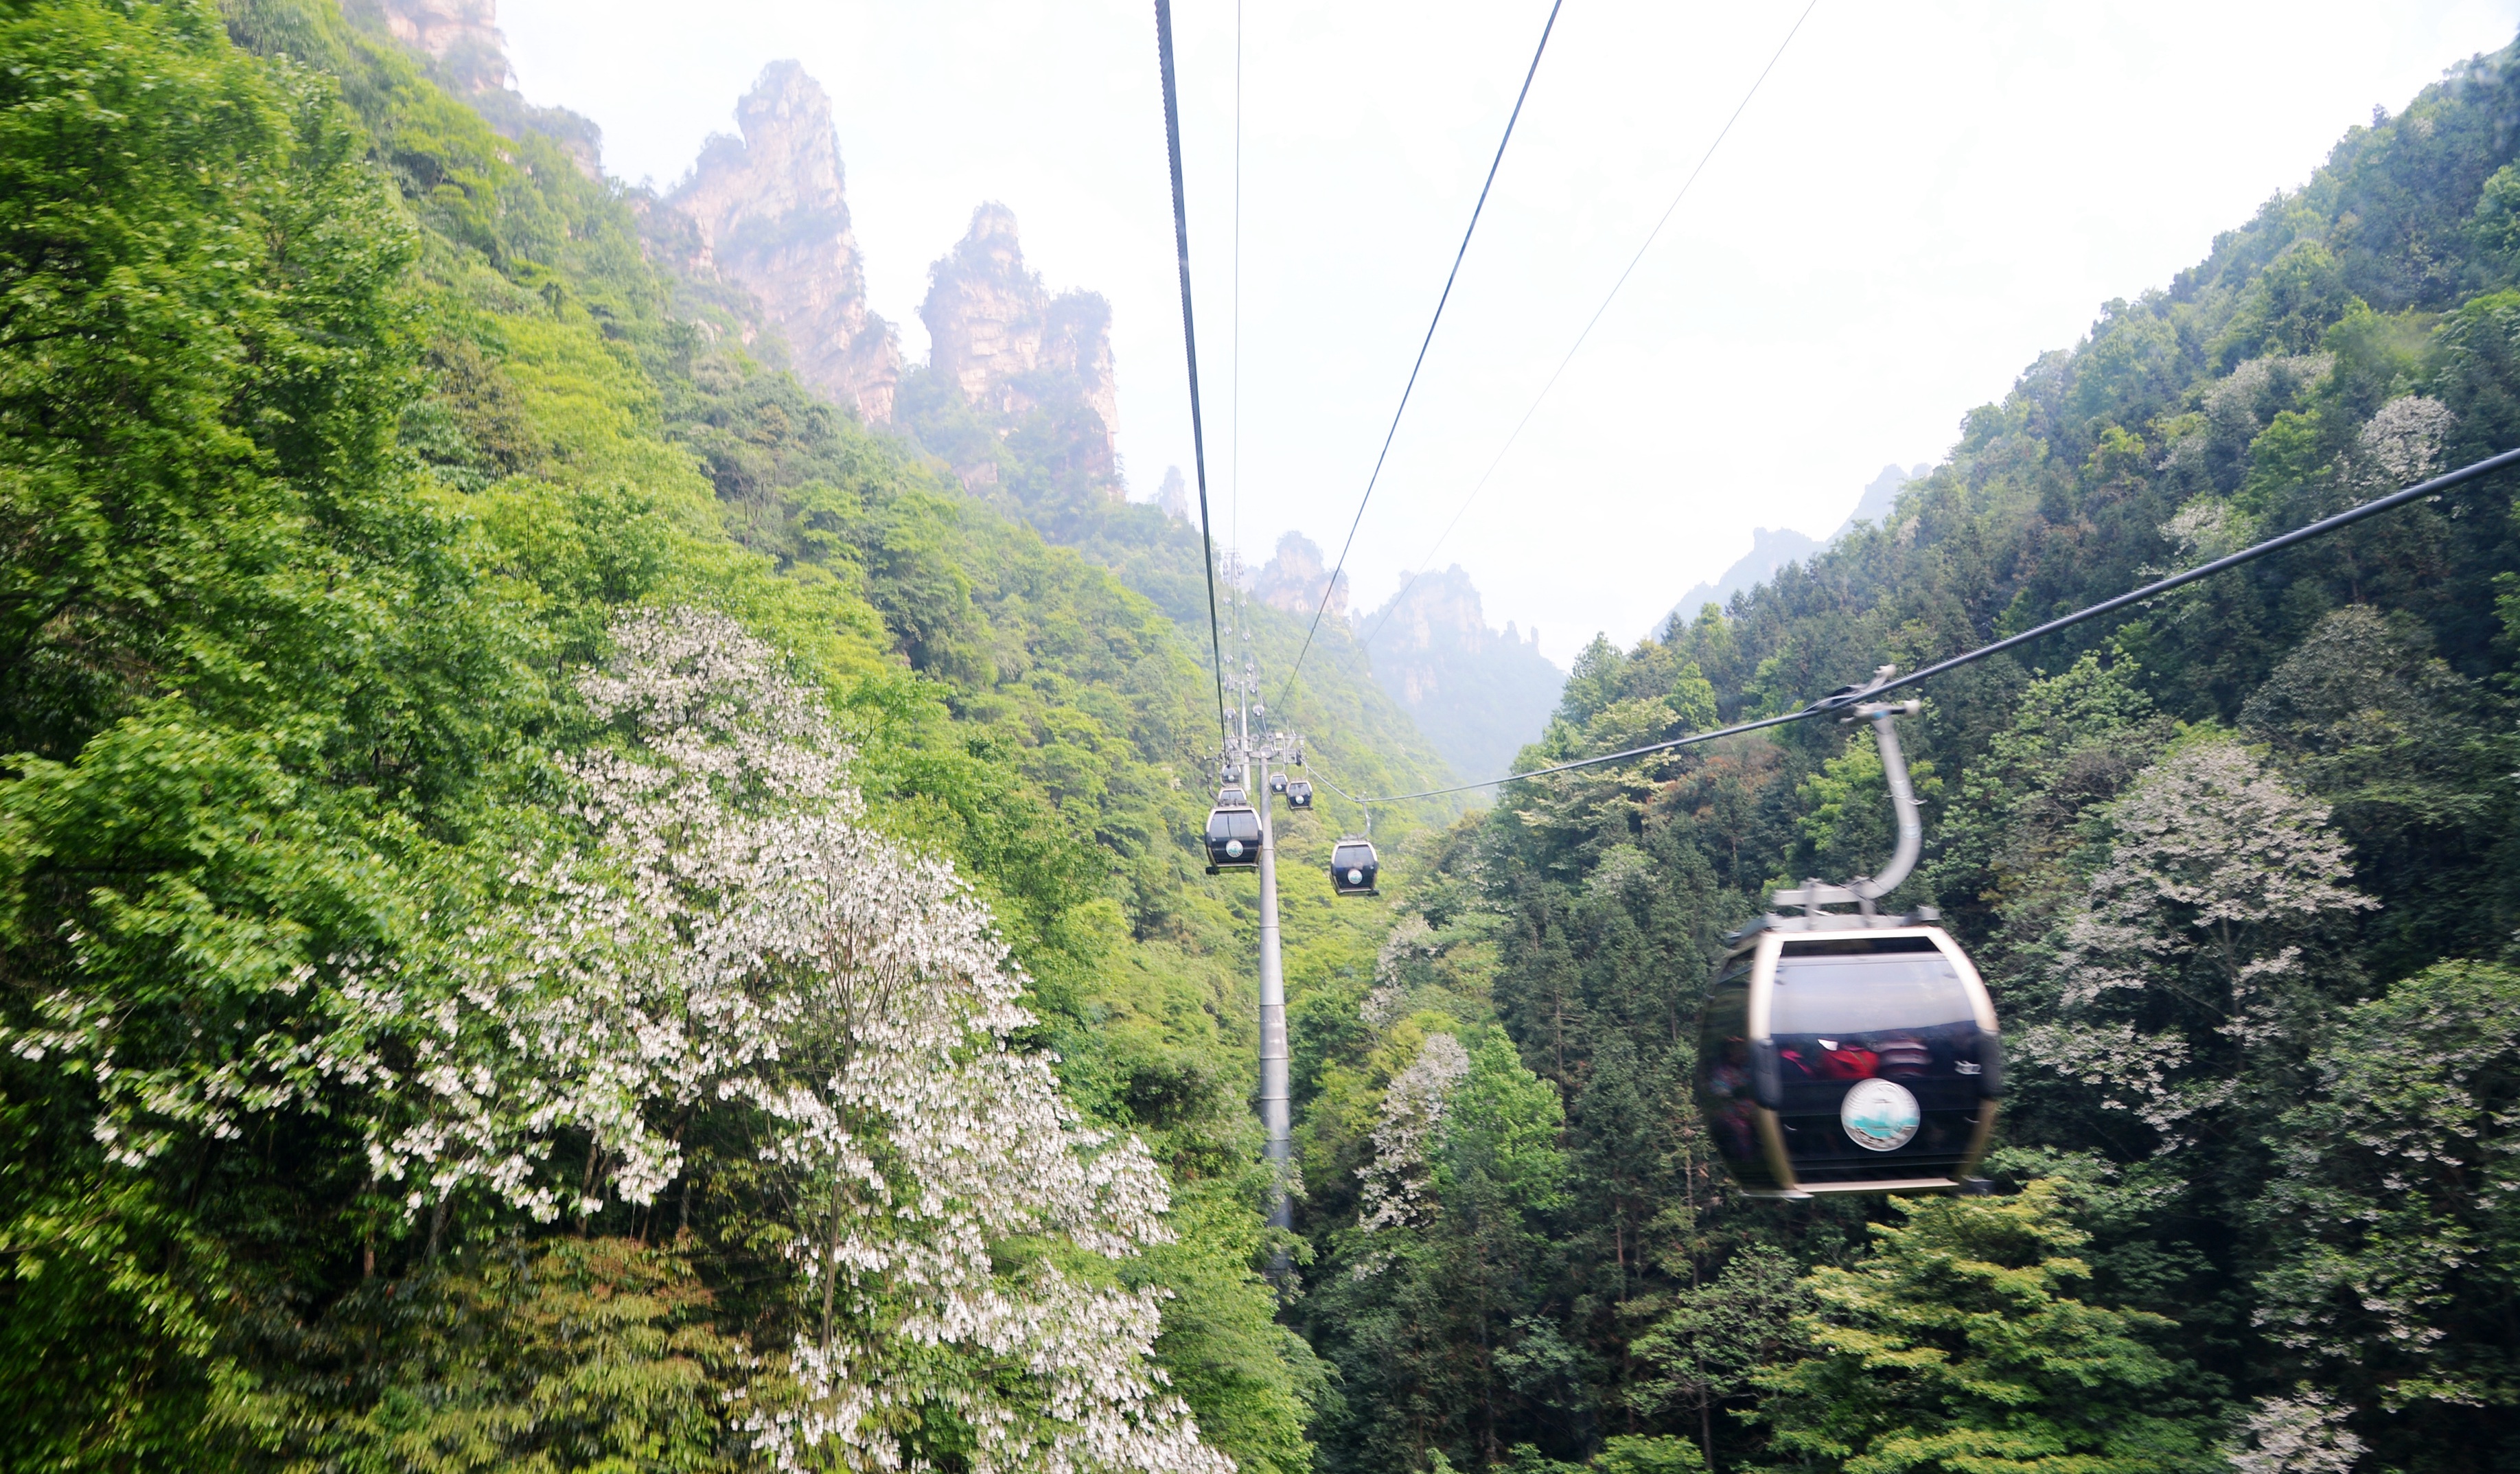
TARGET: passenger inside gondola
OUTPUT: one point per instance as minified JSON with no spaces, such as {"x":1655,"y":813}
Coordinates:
{"x":1856,"y":1010}
{"x":1727,"y":1084}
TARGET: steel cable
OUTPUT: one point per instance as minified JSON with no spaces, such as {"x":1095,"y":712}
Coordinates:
{"x":1592,"y":321}
{"x":1190,"y":348}
{"x":1838,"y":701}
{"x":1331,"y":583}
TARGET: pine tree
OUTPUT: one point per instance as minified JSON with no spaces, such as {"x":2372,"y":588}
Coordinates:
{"x":1957,"y":1346}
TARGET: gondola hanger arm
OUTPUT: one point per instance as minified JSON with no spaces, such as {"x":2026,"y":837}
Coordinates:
{"x":1865,"y":890}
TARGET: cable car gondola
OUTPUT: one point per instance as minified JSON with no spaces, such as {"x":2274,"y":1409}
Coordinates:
{"x":1233,"y":833}
{"x":1299,"y":793}
{"x":1851,"y":1051}
{"x":1354,"y":866}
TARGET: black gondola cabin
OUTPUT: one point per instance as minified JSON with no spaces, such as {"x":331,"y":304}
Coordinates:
{"x":1851,"y":1051}
{"x":1299,"y":793}
{"x":1233,"y":833}
{"x":1842,"y":1053}
{"x":1354,"y":867}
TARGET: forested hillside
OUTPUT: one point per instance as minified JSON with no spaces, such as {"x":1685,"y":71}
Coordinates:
{"x":566,"y":902}
{"x":2238,"y":868}
{"x":1043,"y":469}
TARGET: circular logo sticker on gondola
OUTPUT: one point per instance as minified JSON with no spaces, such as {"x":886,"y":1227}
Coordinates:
{"x":1881,"y":1115}
{"x":1356,"y":877}
{"x":1233,"y":848}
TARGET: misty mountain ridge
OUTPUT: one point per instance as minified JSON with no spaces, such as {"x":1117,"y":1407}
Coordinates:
{"x":1477,"y":693}
{"x":1773,"y":548}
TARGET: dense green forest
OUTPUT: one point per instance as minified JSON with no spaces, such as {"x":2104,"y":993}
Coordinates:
{"x":565,"y":904}
{"x":2239,"y":869}
{"x":347,"y":436}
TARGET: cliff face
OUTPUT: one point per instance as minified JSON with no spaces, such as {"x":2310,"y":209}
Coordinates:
{"x":769,"y":212}
{"x":1005,"y":343}
{"x":468,"y":54}
{"x":1292,"y":580}
{"x":462,"y":33}
{"x":1477,"y":693}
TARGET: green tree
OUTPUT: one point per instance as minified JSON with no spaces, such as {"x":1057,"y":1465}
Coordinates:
{"x":541,"y":1357}
{"x":1439,"y":1350}
{"x":1711,"y":1346}
{"x":2007,"y":845}
{"x":2392,"y":1210}
{"x":1957,"y":1344}
{"x":1849,"y":824}
{"x":255,"y":690}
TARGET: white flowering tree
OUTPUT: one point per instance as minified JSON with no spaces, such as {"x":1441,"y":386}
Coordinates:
{"x":2400,"y":445}
{"x":732,"y":940}
{"x":1411,"y":939}
{"x":2301,"y":1434}
{"x":1396,"y":1189}
{"x":2193,"y":943}
{"x":718,"y":938}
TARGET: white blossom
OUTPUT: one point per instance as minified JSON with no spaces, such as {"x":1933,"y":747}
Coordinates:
{"x":854,"y":998}
{"x":2133,"y":1072}
{"x":268,"y":1058}
{"x":2205,"y":528}
{"x":2400,"y":445}
{"x":1413,"y":1118}
{"x":2215,"y":875}
{"x":2301,"y":1434}
{"x":1410,"y":937}
{"x":2208,"y":849}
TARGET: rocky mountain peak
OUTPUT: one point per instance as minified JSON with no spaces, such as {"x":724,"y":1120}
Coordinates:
{"x":1477,"y":693}
{"x":994,"y":240}
{"x":787,"y":158}
{"x":998,"y":337}
{"x":1172,"y":498}
{"x":770,"y":212}
{"x":1439,"y":609}
{"x":1292,"y":580}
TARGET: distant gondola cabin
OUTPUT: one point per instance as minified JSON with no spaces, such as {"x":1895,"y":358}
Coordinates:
{"x":1233,"y":833}
{"x":1354,"y":866}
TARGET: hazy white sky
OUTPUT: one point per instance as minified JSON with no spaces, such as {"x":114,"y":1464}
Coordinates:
{"x":1922,"y":199}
